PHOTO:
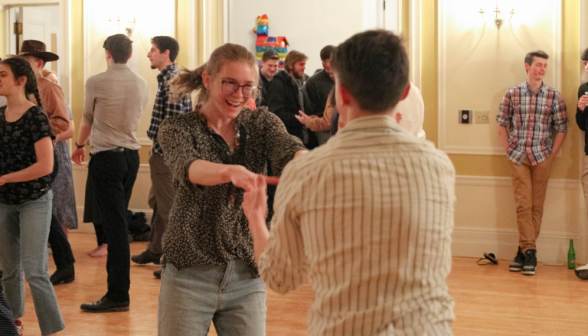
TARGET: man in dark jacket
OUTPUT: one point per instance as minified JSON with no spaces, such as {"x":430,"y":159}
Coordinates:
{"x":285,"y":97}
{"x":318,"y":88}
{"x":269,"y":67}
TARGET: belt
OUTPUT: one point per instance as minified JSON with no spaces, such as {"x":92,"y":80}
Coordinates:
{"x":117,"y":150}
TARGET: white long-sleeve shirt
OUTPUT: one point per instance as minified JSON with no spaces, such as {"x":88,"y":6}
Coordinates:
{"x":368,"y":218}
{"x":413,"y":112}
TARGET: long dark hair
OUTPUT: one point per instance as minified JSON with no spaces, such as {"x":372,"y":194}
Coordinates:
{"x":22,"y":68}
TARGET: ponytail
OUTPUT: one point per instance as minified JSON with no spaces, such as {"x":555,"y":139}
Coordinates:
{"x":186,"y":82}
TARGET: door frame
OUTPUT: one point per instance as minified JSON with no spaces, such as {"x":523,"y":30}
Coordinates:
{"x":64,"y":37}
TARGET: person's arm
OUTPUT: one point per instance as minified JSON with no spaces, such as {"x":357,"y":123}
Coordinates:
{"x":43,"y":166}
{"x":56,"y":108}
{"x":280,"y":257}
{"x":183,"y":160}
{"x":255,"y":209}
{"x":79,"y":154}
{"x":559,"y":122}
{"x":67,"y":134}
{"x":503,"y":118}
{"x":319,"y":124}
{"x":281,"y":147}
{"x":582,"y":102}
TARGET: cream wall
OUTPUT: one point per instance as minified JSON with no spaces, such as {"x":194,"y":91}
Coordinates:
{"x":485,"y":219}
{"x":2,"y":36}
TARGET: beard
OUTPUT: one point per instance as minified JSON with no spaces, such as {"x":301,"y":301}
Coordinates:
{"x":298,"y":74}
{"x":153,"y":67}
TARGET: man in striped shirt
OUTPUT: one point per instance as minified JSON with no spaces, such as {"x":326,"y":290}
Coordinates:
{"x":531,"y":110}
{"x":368,"y":216}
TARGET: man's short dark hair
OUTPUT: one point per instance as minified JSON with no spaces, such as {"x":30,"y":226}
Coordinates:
{"x":270,"y":55}
{"x":326,"y":52}
{"x":164,"y":43}
{"x":538,"y":53}
{"x":120,"y":47}
{"x":373,"y":67}
{"x":585,"y":55}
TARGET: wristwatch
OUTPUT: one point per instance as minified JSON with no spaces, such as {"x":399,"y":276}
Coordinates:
{"x":79,"y":146}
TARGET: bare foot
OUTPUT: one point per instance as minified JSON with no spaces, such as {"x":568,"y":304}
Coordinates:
{"x":101,"y":252}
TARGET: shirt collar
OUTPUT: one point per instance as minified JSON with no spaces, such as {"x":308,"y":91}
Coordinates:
{"x":371,"y":122}
{"x":118,"y":66}
{"x":170,"y":68}
{"x":542,"y":88}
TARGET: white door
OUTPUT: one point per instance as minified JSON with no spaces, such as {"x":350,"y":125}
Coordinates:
{"x":36,"y":25}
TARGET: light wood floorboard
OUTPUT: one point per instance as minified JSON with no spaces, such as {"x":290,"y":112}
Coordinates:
{"x":489,"y":300}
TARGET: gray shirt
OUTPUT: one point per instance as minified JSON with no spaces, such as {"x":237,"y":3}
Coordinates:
{"x":115,"y":100}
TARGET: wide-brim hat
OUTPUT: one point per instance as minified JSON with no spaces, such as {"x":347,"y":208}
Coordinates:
{"x":37,"y":49}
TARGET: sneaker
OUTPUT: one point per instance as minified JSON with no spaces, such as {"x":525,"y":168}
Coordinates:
{"x":582,"y":272}
{"x":530,"y":262}
{"x":146,"y":257}
{"x":157,"y":274}
{"x":517,"y":263}
{"x":19,"y":327}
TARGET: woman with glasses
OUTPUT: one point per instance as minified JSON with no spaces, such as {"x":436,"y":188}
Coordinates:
{"x":215,"y":155}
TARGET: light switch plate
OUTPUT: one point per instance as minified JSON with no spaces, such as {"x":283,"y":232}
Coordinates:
{"x":482,"y":117}
{"x":465,"y":116}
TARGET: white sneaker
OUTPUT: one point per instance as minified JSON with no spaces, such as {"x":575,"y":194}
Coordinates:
{"x":582,"y":272}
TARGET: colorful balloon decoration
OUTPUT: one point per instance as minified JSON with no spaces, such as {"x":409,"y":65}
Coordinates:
{"x":265,"y":42}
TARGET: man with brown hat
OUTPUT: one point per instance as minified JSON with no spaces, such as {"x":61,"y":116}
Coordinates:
{"x":54,"y":106}
{"x":52,"y":98}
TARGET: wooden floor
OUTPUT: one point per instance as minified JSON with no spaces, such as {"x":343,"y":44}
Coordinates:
{"x":489,"y":300}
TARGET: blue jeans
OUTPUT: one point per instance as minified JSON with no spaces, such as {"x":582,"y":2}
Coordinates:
{"x":24,"y":229}
{"x":229,"y":296}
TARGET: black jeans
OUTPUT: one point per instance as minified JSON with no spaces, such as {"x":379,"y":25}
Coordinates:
{"x":62,"y":254}
{"x":111,"y":177}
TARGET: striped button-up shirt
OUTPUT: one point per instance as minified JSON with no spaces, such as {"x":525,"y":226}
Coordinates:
{"x":531,"y":116}
{"x":164,"y":107}
{"x":368,"y":218}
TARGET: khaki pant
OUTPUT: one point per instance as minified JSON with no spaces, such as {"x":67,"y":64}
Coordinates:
{"x":161,"y":198}
{"x":530,"y":186}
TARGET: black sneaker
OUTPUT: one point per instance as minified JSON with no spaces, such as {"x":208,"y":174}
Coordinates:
{"x":157,"y":274}
{"x":530,"y":262}
{"x":582,"y":272}
{"x":517,"y":263}
{"x":146,"y":257}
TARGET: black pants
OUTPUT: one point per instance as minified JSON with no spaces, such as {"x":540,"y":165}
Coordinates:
{"x":62,"y":254}
{"x":111,"y":176}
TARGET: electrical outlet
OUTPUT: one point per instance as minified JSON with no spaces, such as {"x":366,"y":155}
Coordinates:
{"x":465,"y":116}
{"x":482,"y":117}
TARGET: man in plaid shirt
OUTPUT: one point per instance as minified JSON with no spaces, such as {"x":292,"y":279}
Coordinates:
{"x":163,"y":53}
{"x":530,"y":110}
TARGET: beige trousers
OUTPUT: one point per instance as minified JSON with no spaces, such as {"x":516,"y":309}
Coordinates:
{"x":530,"y":186}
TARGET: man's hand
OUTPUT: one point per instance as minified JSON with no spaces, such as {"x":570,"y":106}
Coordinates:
{"x":79,"y":155}
{"x":303,"y":118}
{"x":582,"y":102}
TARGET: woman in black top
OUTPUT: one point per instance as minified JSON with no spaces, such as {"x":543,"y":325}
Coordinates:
{"x":215,"y":154}
{"x":26,"y":161}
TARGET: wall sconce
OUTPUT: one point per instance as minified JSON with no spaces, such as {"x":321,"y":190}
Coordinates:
{"x":129,"y":26}
{"x":499,"y":16}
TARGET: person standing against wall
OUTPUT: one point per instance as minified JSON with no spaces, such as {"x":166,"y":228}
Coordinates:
{"x":163,"y":53}
{"x":531,"y":110}
{"x":114,"y":103}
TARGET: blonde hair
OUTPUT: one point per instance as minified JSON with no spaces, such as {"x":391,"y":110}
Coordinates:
{"x":190,"y":80}
{"x":292,"y":58}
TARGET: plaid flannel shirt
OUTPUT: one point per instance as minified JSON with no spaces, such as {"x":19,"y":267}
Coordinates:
{"x":531,"y":116}
{"x":163,"y":107}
